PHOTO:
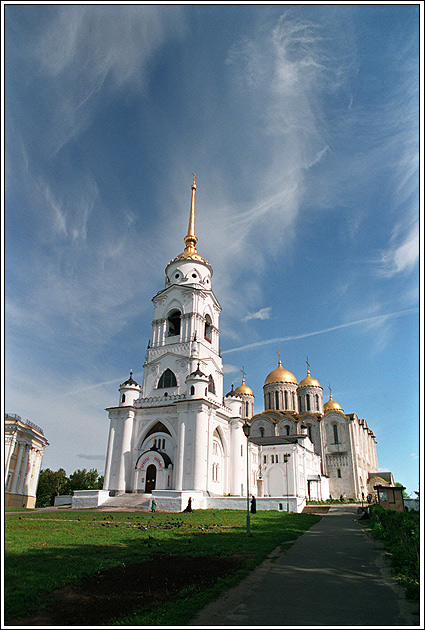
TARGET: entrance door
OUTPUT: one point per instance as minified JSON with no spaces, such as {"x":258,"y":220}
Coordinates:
{"x":150,"y":478}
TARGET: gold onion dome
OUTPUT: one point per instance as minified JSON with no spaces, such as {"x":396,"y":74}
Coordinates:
{"x":309,"y":381}
{"x":280,"y":375}
{"x":244,"y":389}
{"x":332,"y":405}
{"x":190,"y":239}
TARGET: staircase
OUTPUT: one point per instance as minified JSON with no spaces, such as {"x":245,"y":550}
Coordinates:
{"x":129,"y":501}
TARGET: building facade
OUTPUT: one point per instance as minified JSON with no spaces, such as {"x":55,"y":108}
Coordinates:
{"x":178,"y":433}
{"x":24,"y":448}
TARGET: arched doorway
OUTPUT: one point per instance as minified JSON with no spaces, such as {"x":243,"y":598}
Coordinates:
{"x":150,"y":478}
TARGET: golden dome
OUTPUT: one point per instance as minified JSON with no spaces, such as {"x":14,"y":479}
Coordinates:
{"x":244,"y":389}
{"x":280,"y":375}
{"x":309,"y":381}
{"x":332,"y":405}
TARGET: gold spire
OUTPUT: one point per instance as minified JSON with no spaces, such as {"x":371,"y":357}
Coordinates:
{"x":190,"y":239}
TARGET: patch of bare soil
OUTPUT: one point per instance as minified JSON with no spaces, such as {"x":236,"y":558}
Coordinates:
{"x":119,"y":591}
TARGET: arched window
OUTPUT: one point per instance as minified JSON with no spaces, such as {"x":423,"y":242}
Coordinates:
{"x":211,"y":384}
{"x":167,"y":379}
{"x":309,"y":431}
{"x":286,"y":399}
{"x":293,"y":401}
{"x":208,"y":328}
{"x":192,"y":390}
{"x":247,"y":408}
{"x":174,"y":321}
{"x":317,"y":402}
{"x":300,"y":407}
{"x":308,"y":402}
{"x":277,"y":399}
{"x":287,"y":429}
{"x":335,"y":430}
{"x":339,"y":473}
{"x":262,"y":431}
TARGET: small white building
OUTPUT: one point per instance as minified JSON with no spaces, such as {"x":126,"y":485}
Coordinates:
{"x":24,"y":449}
{"x":176,"y":435}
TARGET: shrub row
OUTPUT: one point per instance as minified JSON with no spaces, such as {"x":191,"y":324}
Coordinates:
{"x":399,"y":532}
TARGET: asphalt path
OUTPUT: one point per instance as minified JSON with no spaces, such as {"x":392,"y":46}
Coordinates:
{"x":334,"y":575}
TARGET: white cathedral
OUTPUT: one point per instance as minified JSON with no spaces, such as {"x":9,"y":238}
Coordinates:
{"x":177,"y":436}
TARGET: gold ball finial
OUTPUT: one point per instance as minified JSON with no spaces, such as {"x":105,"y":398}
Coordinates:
{"x":194,"y":183}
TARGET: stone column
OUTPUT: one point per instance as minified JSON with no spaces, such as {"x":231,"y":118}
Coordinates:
{"x":180,"y":458}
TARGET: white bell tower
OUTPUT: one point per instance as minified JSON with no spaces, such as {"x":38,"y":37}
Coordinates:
{"x":185,"y":326}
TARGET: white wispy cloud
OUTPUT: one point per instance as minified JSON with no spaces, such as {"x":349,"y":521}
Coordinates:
{"x":376,"y":320}
{"x":263,"y":313}
{"x":403,"y":254}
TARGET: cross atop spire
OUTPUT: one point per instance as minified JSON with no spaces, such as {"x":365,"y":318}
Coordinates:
{"x":308,"y":366}
{"x":280,"y":362}
{"x":243,"y":374}
{"x":330,"y":391}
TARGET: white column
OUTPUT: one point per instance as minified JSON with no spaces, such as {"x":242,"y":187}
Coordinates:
{"x":28,"y":479}
{"x":17,"y":468}
{"x":200,"y":451}
{"x":10,"y":447}
{"x":109,"y":456}
{"x":125,"y":451}
{"x":20,"y":489}
{"x":37,"y":466}
{"x":180,"y":458}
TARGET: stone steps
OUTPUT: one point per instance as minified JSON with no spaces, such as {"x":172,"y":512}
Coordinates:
{"x":141,"y":501}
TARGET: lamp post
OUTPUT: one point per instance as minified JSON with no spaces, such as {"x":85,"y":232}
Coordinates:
{"x":286,"y":456}
{"x":247,"y":430}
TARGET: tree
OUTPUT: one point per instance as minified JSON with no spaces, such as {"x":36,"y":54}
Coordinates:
{"x":84,"y":480}
{"x":50,"y":484}
{"x":400,"y":485}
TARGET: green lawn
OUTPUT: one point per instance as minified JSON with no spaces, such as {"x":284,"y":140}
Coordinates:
{"x":46,"y":550}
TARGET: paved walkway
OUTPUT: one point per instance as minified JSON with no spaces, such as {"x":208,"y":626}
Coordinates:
{"x":333,"y":575}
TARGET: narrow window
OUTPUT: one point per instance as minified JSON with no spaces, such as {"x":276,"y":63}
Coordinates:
{"x":286,"y":399}
{"x":272,"y":457}
{"x":335,"y":429}
{"x":277,"y":399}
{"x":339,"y":473}
{"x":270,"y":401}
{"x":241,"y":450}
{"x":293,"y":401}
{"x":123,"y":398}
{"x":317,"y":402}
{"x":308,"y":402}
{"x":309,"y":431}
{"x":211,"y":385}
{"x":174,"y":320}
{"x":208,"y":328}
{"x":167,"y":379}
{"x":262,"y":431}
{"x":287,"y":430}
{"x":277,"y":459}
{"x":192,"y":390}
{"x":247,"y":409}
{"x":264,"y":459}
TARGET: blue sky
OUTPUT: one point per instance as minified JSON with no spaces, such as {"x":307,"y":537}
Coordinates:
{"x":302,"y":125}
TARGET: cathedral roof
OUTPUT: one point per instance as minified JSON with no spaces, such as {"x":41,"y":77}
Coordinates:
{"x":280,"y":375}
{"x":243,"y":388}
{"x":309,"y":381}
{"x":130,"y":381}
{"x":332,"y":405}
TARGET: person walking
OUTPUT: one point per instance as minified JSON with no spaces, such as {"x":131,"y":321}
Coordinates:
{"x":253,"y":505}
{"x":153,"y":506}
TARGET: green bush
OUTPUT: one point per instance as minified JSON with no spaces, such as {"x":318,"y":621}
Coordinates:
{"x":399,"y":532}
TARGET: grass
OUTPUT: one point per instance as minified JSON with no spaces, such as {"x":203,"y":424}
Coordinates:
{"x":47,"y":550}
